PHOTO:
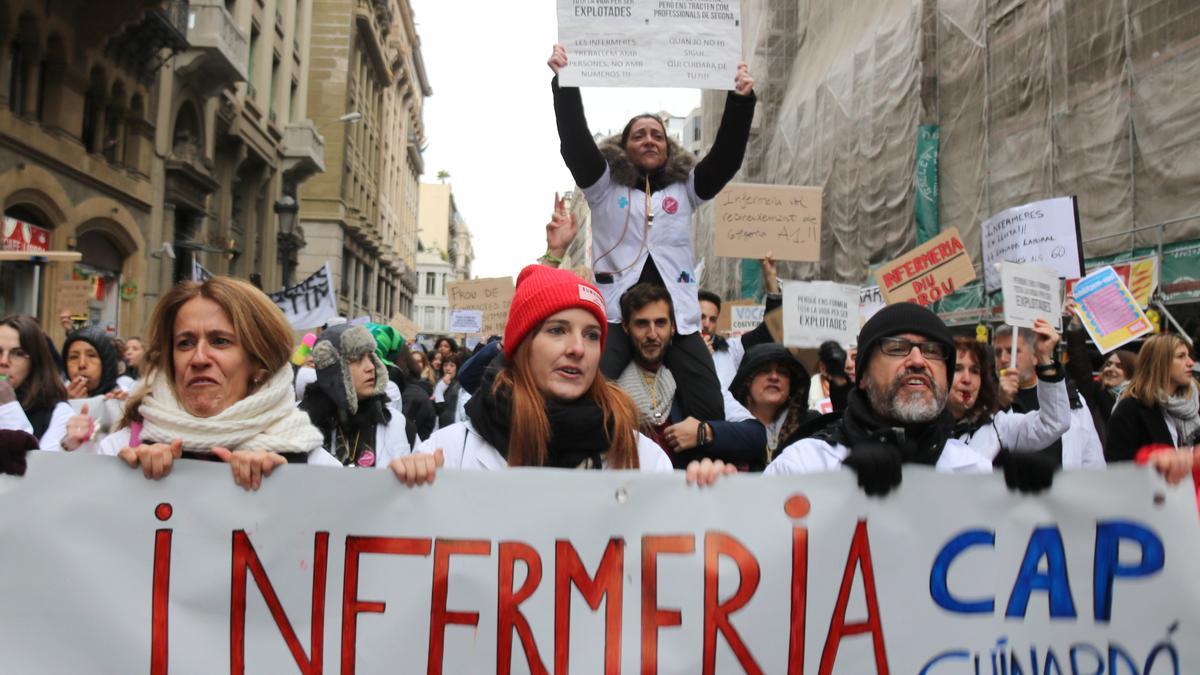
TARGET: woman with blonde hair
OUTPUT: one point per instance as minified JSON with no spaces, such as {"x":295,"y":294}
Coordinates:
{"x":1161,"y":405}
{"x":547,"y":405}
{"x":218,"y":387}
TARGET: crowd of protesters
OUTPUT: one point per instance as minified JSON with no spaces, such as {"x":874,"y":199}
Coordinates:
{"x":628,"y":372}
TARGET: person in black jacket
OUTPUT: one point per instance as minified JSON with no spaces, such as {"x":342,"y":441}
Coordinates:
{"x":1161,"y":406}
{"x":642,"y":188}
{"x":1115,"y":373}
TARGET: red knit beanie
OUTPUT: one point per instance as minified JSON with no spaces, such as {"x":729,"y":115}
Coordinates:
{"x":542,"y":291}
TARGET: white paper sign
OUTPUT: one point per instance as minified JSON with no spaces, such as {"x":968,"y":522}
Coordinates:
{"x":744,"y":318}
{"x":466,"y":321}
{"x":339,"y":570}
{"x":1045,"y":233}
{"x":816,"y":311}
{"x":309,"y":303}
{"x":650,"y":43}
{"x":870,"y":301}
{"x":1030,"y":292}
{"x":199,"y":273}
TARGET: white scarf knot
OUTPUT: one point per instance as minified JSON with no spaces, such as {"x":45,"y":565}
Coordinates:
{"x":268,"y":420}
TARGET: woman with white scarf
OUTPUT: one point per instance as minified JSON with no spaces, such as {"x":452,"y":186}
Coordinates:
{"x":219,"y":387}
{"x":1161,"y":405}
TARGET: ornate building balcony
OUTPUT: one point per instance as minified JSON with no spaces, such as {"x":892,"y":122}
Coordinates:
{"x":303,"y":151}
{"x":139,"y":46}
{"x":219,"y":52}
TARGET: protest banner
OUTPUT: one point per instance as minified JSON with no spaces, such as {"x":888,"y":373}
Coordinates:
{"x":1139,"y":274}
{"x":328,"y":570}
{"x":870,"y":300}
{"x":492,"y":296}
{"x":744,"y":318}
{"x":1109,"y":311}
{"x":650,"y":43}
{"x":816,"y":311}
{"x":1030,"y":292}
{"x":309,"y":303}
{"x":927,"y":273}
{"x":1045,"y":232}
{"x":751,"y":221}
{"x":467,"y":321}
{"x":72,"y":295}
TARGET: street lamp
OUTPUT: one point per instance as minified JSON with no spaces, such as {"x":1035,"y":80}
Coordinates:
{"x":290,"y":239}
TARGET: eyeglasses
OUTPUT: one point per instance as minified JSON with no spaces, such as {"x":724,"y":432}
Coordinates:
{"x":898,"y":346}
{"x":14,"y":354}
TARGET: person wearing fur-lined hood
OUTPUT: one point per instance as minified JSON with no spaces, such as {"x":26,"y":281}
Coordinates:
{"x":642,"y":189}
{"x":349,"y":403}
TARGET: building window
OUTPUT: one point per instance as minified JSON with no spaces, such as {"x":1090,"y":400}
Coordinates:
{"x":347,"y":271}
{"x":430,"y":283}
{"x":16,"y":78}
{"x":428,"y":323}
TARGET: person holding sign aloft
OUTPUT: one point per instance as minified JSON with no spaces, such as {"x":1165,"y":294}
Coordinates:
{"x":642,"y":189}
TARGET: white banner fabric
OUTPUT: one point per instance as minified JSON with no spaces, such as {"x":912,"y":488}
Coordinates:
{"x":650,"y":43}
{"x":311,"y":302}
{"x":107,"y":572}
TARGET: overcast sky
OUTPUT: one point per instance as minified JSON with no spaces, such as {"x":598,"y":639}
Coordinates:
{"x":490,"y":121}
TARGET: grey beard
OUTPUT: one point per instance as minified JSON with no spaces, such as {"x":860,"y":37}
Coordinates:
{"x":912,"y":409}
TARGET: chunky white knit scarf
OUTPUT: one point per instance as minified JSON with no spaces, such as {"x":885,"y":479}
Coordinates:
{"x":1184,"y":413}
{"x":653,"y":407}
{"x":268,"y":419}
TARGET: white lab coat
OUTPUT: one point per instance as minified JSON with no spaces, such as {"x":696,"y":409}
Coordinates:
{"x":12,"y":416}
{"x":464,"y":448}
{"x":810,"y":455}
{"x":1026,"y":432}
{"x":621,"y":241}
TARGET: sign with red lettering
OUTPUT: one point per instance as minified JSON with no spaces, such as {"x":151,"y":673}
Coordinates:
{"x":327,"y":570}
{"x":929,"y":272}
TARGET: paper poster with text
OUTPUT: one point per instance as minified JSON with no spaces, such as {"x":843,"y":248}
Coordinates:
{"x":492,"y":296}
{"x":330,"y":570}
{"x":1139,"y":274}
{"x":870,"y":301}
{"x":1109,"y":311}
{"x":817,"y":311}
{"x":1031,"y":292}
{"x":650,"y":43}
{"x":1044,"y":233}
{"x":467,"y":321}
{"x":927,"y":273}
{"x":751,"y":221}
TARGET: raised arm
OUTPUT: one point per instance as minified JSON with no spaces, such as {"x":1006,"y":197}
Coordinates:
{"x":729,"y":147}
{"x":576,"y":144}
{"x":1038,"y":429}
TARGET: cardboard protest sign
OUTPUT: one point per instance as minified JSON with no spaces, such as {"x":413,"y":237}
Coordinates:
{"x":744,"y":318}
{"x":406,"y":327}
{"x":309,"y":303}
{"x":1030,"y":292}
{"x":751,"y":221}
{"x":650,"y":43}
{"x":1109,"y":311}
{"x":72,"y":295}
{"x":870,"y":300}
{"x":1045,"y":232}
{"x":729,"y":309}
{"x":1140,"y":276}
{"x":491,"y":296}
{"x":466,"y":321}
{"x":334,"y":571}
{"x":928,"y":272}
{"x":816,"y":311}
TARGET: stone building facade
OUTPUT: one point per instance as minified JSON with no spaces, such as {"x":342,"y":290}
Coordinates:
{"x":444,"y":230}
{"x":368,"y":89}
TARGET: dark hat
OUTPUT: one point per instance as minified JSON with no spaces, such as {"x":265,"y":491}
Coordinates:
{"x":100,"y":340}
{"x":333,"y":353}
{"x":757,"y":359}
{"x":903,"y":317}
{"x":833,"y":356}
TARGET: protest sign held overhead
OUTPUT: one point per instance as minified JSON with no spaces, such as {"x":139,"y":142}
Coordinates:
{"x":744,"y":318}
{"x":650,"y":43}
{"x":468,"y":321}
{"x":870,"y":300}
{"x":72,"y":296}
{"x":1031,"y":292}
{"x":1109,"y":311}
{"x":1140,"y":276}
{"x":1045,"y":233}
{"x":490,"y":296}
{"x":309,"y":303}
{"x":927,"y":273}
{"x":725,"y":319}
{"x":751,"y":221}
{"x":349,"y":571}
{"x":816,"y":311}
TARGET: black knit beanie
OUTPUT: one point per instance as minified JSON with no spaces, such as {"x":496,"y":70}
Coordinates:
{"x":903,"y":317}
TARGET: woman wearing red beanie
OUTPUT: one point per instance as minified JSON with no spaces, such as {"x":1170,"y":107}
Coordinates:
{"x":546,"y":405}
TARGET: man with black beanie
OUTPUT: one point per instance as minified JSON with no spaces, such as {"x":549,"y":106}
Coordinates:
{"x":897,"y":413}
